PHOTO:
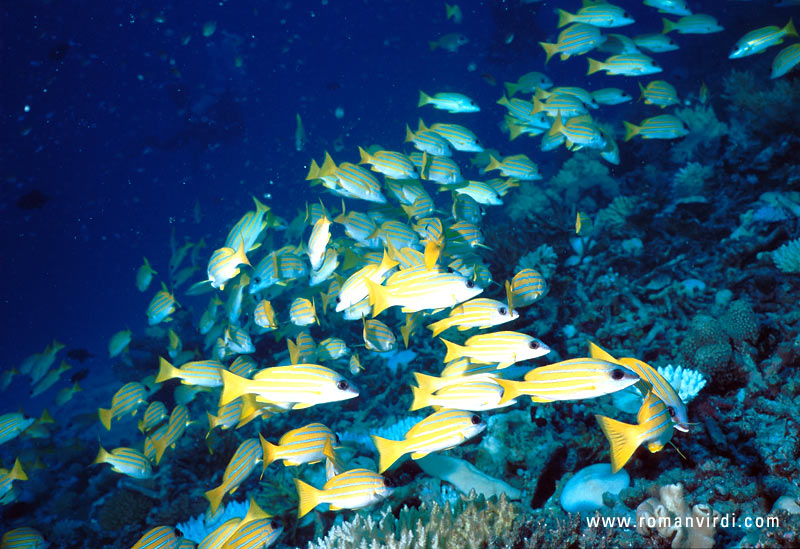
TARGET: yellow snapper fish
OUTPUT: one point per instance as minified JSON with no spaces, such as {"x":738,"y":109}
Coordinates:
{"x":160,"y":537}
{"x":332,"y":348}
{"x":448,"y":101}
{"x":220,"y":535}
{"x":15,"y":423}
{"x":248,"y":229}
{"x":475,"y":313}
{"x":299,"y":446}
{"x":653,"y":428}
{"x":576,"y":39}
{"x":7,"y":477}
{"x":224,"y":265}
{"x":459,"y":137}
{"x":449,"y":42}
{"x":528,"y":82}
{"x":318,"y":242}
{"x":476,"y":396}
{"x":573,"y":379}
{"x":175,"y":427}
{"x":674,"y":7}
{"x":175,"y":345}
{"x":501,"y":348}
{"x":787,"y":59}
{"x":144,"y":275}
{"x":759,"y":40}
{"x":205,"y":373}
{"x":125,"y":401}
{"x":599,"y":15}
{"x":698,"y":23}
{"x":480,"y":192}
{"x":301,"y":385}
{"x":660,"y":93}
{"x":429,"y":141}
{"x":518,"y":166}
{"x":378,"y":336}
{"x":348,"y":180}
{"x":650,"y":380}
{"x":454,"y":12}
{"x":353,"y":489}
{"x":302,"y":312}
{"x":161,"y":306}
{"x":663,"y":126}
{"x":66,"y":394}
{"x":330,"y":262}
{"x":24,"y":538}
{"x":264,"y":315}
{"x":526,"y":287}
{"x":655,"y":42}
{"x":50,"y":379}
{"x":37,"y":364}
{"x":441,"y":430}
{"x":119,"y":343}
{"x":392,"y":164}
{"x":242,"y":463}
{"x":154,"y":415}
{"x":579,"y":131}
{"x":126,"y":461}
{"x":257,"y":530}
{"x":630,"y":64}
{"x":303,"y":350}
{"x":421,"y":290}
{"x":238,"y":341}
{"x":354,"y":289}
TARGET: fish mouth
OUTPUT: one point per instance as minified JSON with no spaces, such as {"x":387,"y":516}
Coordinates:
{"x":681,"y":427}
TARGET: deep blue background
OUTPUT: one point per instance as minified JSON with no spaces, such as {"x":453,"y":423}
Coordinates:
{"x":115,"y":135}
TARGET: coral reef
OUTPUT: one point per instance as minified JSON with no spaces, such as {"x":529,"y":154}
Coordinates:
{"x":616,"y":213}
{"x":542,"y":259}
{"x":669,"y":516}
{"x":690,"y":180}
{"x":787,"y":257}
{"x":705,"y":133}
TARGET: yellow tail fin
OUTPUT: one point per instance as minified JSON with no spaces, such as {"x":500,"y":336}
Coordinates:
{"x":215,"y":496}
{"x":233,"y":386}
{"x":789,"y":29}
{"x":595,"y":66}
{"x":438,"y":327}
{"x":389,"y":450}
{"x":424,"y":99}
{"x":102,"y":455}
{"x":420,"y":399}
{"x":512,"y":87}
{"x":269,"y":451}
{"x":166,"y":370}
{"x":564,"y":18}
{"x":630,"y":130}
{"x":669,"y":26}
{"x":309,"y":497}
{"x":454,"y":350}
{"x":427,"y":384}
{"x":16,"y":472}
{"x":510,"y":389}
{"x":105,"y":417}
{"x":378,"y":297}
{"x":494,"y":164}
{"x":549,"y":49}
{"x":623,"y":438}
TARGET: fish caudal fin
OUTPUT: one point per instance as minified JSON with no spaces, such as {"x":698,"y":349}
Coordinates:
{"x":233,"y":386}
{"x":269,"y":451}
{"x":427,"y":384}
{"x":438,"y":327}
{"x":102,"y":455}
{"x":623,"y":439}
{"x":789,"y":29}
{"x":424,"y":99}
{"x":378,"y":297}
{"x":166,"y":370}
{"x":105,"y":417}
{"x":630,"y":130}
{"x":549,"y":49}
{"x":512,"y":86}
{"x":308,"y":496}
{"x":16,"y":472}
{"x":594,"y":66}
{"x":214,"y":497}
{"x":564,"y":18}
{"x":510,"y":389}
{"x":454,"y":350}
{"x":420,"y":399}
{"x":669,"y":26}
{"x":389,"y":451}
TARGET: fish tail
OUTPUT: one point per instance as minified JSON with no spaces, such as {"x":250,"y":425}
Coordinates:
{"x":161,"y":446}
{"x":669,"y":26}
{"x":630,"y":130}
{"x":450,"y":10}
{"x":432,"y":45}
{"x":165,"y":370}
{"x":313,"y":171}
{"x":454,"y":350}
{"x":557,"y":127}
{"x":364,"y":155}
{"x":260,"y":207}
{"x":241,"y":253}
{"x":494,"y":164}
{"x":269,"y":450}
{"x":405,"y":331}
{"x":503,"y":101}
{"x":105,"y":417}
{"x":409,"y":135}
{"x":328,"y":166}
{"x":432,"y":251}
{"x":438,"y":327}
{"x":424,"y":99}
{"x":309,"y":497}
{"x":514,"y":130}
{"x":294,"y":353}
{"x":564,"y":18}
{"x":378,"y":297}
{"x":213,"y":421}
{"x":420,"y":399}
{"x":46,"y":417}
{"x":427,"y":384}
{"x":623,"y":438}
{"x":789,"y":29}
{"x":214,"y":497}
{"x":389,"y":451}
{"x":512,"y":87}
{"x":102,"y":455}
{"x":233,"y":386}
{"x":594,"y":66}
{"x":549,"y":49}
{"x":510,"y":389}
{"x":16,"y":472}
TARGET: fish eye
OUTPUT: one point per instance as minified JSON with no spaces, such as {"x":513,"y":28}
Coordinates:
{"x":257,"y":280}
{"x":671,"y":411}
{"x":472,"y":103}
{"x":625,"y":15}
{"x":534,"y":344}
{"x":617,"y":374}
{"x":387,"y":482}
{"x":274,"y":524}
{"x":338,"y":299}
{"x":476,"y":419}
{"x":503,"y":311}
{"x":342,"y":385}
{"x":470,"y":284}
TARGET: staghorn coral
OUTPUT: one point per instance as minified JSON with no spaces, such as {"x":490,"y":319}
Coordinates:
{"x":471,"y":523}
{"x":669,"y":516}
{"x":690,"y":180}
{"x":787,"y":257}
{"x":542,"y":259}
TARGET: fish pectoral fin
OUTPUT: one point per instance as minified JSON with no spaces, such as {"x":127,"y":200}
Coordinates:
{"x":419,"y":455}
{"x":301,"y":405}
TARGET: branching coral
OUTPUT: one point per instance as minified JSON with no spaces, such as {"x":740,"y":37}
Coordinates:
{"x":787,"y":257}
{"x":705,"y":132}
{"x":471,"y":523}
{"x":690,"y":179}
{"x":669,"y":516}
{"x":615,"y":214}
